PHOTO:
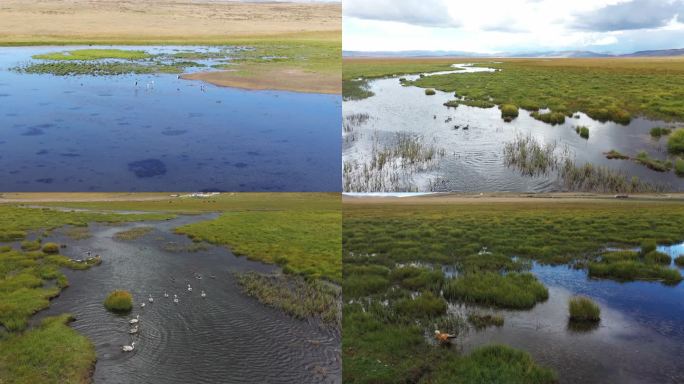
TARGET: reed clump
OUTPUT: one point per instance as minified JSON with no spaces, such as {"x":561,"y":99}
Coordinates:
{"x":583,"y":309}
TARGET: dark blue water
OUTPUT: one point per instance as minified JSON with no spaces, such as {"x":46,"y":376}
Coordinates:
{"x":90,"y":133}
{"x":640,"y":338}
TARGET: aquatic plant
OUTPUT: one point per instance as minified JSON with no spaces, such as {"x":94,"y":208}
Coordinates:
{"x":614,"y":154}
{"x":470,"y":103}
{"x":51,"y":248}
{"x":679,"y":166}
{"x":657,"y":165}
{"x":675,"y":143}
{"x":679,"y":260}
{"x":80,"y":68}
{"x":658,"y":258}
{"x":354,"y":120}
{"x":30,"y":245}
{"x":657,"y":132}
{"x":634,"y":270}
{"x":424,"y":305}
{"x":356,"y":89}
{"x":94,"y":54}
{"x":512,"y":290}
{"x":481,"y":320}
{"x":530,"y":156}
{"x":647,"y":246}
{"x":297,"y":296}
{"x":119,"y":301}
{"x":430,"y":92}
{"x":583,"y":309}
{"x":508,"y":112}
{"x":552,"y":118}
{"x":133,"y":233}
{"x":582,"y":131}
{"x":600,"y":179}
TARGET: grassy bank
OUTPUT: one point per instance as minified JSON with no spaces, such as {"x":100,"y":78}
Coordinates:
{"x":396,"y":292}
{"x":50,"y":353}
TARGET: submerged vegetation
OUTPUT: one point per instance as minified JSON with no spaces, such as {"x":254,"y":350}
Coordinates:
{"x":133,"y":233}
{"x":657,"y":132}
{"x":582,"y":131}
{"x":299,"y":297}
{"x":119,"y":301}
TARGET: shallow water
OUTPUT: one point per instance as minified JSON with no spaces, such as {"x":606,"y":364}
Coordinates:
{"x":474,"y":157}
{"x":226,"y":337}
{"x":104,"y":133}
{"x":640,"y":338}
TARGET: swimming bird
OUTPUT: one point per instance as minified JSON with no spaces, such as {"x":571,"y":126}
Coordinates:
{"x":175,"y":298}
{"x":128,"y":348}
{"x":150,"y":299}
{"x":189,"y":288}
{"x":203,"y":294}
{"x":134,"y":321}
{"x":133,"y":330}
{"x":142,"y":305}
{"x":443,"y":337}
{"x":166,"y":294}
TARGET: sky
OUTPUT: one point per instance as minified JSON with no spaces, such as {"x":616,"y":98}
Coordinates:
{"x":513,"y":26}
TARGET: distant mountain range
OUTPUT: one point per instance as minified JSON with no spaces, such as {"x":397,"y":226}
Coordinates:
{"x":544,"y":54}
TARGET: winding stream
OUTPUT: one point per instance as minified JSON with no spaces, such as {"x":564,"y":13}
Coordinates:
{"x":226,"y":337}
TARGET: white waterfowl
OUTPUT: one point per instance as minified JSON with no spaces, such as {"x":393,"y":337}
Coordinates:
{"x":133,"y":330}
{"x":203,"y":294}
{"x":134,"y":321}
{"x":175,"y":298}
{"x":166,"y":294}
{"x":189,"y":288}
{"x":150,"y":299}
{"x":128,"y":348}
{"x":142,"y":305}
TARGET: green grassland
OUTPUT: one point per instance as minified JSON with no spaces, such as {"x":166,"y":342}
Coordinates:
{"x":605,"y":89}
{"x":395,"y":292}
{"x":95,"y":54}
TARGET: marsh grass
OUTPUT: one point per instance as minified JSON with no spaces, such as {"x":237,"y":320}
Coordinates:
{"x":657,"y":165}
{"x":356,"y":90}
{"x":119,"y":301}
{"x":629,"y":270}
{"x":552,"y":118}
{"x":679,"y":166}
{"x":52,"y":352}
{"x":51,"y":248}
{"x":352,"y":121}
{"x":583,"y":309}
{"x":484,"y":320}
{"x":675,"y":143}
{"x":601,"y":179}
{"x":508,"y":112}
{"x":657,"y":132}
{"x":299,"y":297}
{"x":658,"y":258}
{"x":486,"y":104}
{"x":78,"y":233}
{"x":30,"y":245}
{"x":94,"y":54}
{"x":679,"y":260}
{"x":529,"y":156}
{"x":425,"y":305}
{"x":582,"y":131}
{"x":614,"y":154}
{"x":512,"y":290}
{"x":97,"y":69}
{"x":430,"y":92}
{"x":133,"y":233}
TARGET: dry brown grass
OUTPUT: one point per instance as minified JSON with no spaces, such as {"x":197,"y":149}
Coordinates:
{"x":163,"y":21}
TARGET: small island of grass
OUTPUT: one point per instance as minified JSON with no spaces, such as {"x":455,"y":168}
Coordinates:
{"x":119,"y":301}
{"x":675,"y":143}
{"x":583,"y":309}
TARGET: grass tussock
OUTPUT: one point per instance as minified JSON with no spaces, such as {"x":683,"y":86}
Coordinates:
{"x":679,"y":260}
{"x":299,"y":297}
{"x":658,"y":132}
{"x":508,"y":112}
{"x":675,"y":143}
{"x":512,"y":290}
{"x":679,"y":166}
{"x":51,"y":248}
{"x":657,"y":165}
{"x":430,"y":92}
{"x":119,"y":301}
{"x":485,"y":104}
{"x":582,"y":131}
{"x":583,"y":309}
{"x":552,"y":118}
{"x":614,"y":154}
{"x":481,"y":321}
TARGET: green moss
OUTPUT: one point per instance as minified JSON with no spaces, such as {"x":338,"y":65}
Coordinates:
{"x":512,"y":290}
{"x":119,"y":301}
{"x":583,"y":309}
{"x":50,"y":353}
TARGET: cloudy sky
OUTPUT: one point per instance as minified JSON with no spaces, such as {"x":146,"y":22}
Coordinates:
{"x":491,"y":26}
